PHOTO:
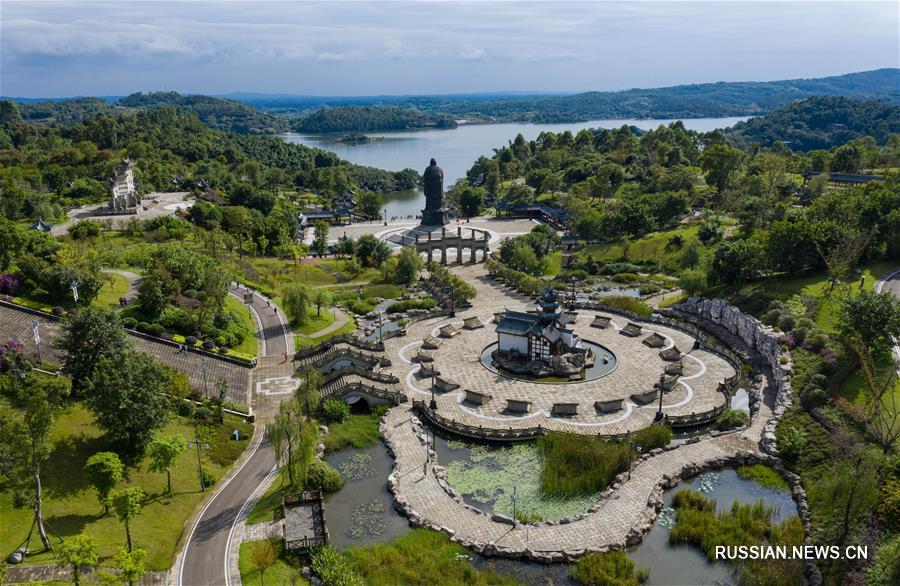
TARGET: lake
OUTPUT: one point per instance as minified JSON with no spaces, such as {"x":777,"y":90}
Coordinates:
{"x":456,"y":149}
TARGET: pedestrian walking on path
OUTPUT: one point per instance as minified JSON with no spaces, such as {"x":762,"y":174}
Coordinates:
{"x":285,"y":356}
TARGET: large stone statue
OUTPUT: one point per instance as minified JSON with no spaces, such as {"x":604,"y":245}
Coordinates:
{"x":434,"y":214}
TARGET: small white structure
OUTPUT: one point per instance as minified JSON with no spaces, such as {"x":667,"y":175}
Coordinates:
{"x":124,"y":198}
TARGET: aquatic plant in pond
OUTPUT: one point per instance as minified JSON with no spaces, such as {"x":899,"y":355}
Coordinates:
{"x":367,"y":520}
{"x":489,"y":475}
{"x":707,"y":482}
{"x":359,"y":466}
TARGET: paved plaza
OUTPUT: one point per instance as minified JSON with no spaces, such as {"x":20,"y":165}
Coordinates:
{"x":639,"y":368}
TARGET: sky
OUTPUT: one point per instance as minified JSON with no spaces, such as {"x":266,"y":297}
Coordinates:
{"x":59,"y":49}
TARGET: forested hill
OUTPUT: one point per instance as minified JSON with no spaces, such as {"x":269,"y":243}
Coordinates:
{"x":217,"y":113}
{"x":819,"y":123}
{"x":370,"y":119}
{"x":683,"y":101}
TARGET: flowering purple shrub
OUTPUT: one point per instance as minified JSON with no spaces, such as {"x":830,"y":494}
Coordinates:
{"x":190,"y":340}
{"x":209,"y":344}
{"x":9,"y":283}
{"x":58,"y":310}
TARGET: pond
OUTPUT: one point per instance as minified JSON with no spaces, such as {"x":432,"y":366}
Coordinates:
{"x":673,"y":566}
{"x":457,"y":149}
{"x":362,"y":512}
{"x":604,"y":363}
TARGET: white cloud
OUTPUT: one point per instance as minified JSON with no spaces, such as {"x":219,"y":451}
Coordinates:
{"x":470,"y":52}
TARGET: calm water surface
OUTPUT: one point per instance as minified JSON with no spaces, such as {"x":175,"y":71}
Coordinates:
{"x":456,"y":149}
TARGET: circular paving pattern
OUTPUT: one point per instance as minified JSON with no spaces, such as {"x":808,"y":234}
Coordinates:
{"x":609,"y":405}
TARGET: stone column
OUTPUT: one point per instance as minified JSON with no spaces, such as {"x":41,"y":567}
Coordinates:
{"x":443,"y":254}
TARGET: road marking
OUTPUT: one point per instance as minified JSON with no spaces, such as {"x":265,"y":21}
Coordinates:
{"x":187,"y":543}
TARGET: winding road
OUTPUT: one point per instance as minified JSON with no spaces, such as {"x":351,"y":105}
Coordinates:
{"x":891,"y":284}
{"x":210,"y":550}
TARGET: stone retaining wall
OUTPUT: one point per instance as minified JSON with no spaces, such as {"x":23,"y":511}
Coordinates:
{"x":731,"y":323}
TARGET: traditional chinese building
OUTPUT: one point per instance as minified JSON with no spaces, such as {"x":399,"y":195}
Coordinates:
{"x":539,"y":335}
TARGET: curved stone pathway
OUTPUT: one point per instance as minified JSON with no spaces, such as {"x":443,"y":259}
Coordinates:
{"x":618,"y":519}
{"x":134,"y":281}
{"x":339,"y":321}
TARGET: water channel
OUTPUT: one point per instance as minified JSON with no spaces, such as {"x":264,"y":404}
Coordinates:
{"x":456,"y":149}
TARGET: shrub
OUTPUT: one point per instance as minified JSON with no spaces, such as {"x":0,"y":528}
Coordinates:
{"x":654,"y":436}
{"x":360,"y":307}
{"x":322,"y":476}
{"x":612,"y":568}
{"x":202,"y":413}
{"x":772,"y":317}
{"x":885,"y":571}
{"x":57,"y":310}
{"x":732,"y":419}
{"x":379,"y":410}
{"x":649,"y":289}
{"x":143,"y":327}
{"x":333,"y":568}
{"x":208,"y":478}
{"x":128,"y":322}
{"x":632,"y":304}
{"x":791,"y":443}
{"x":620,"y":267}
{"x":208,"y":344}
{"x":812,"y":396}
{"x":786,"y":323}
{"x":185,"y":408}
{"x":9,"y":283}
{"x":156,"y":330}
{"x":889,"y":506}
{"x":402,"y":306}
{"x":167,"y":336}
{"x":190,"y":340}
{"x":335,"y":411}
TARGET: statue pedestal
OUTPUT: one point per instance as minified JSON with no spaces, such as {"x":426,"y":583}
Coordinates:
{"x":439,"y":217}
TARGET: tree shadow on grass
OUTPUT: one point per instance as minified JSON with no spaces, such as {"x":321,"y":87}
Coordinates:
{"x":69,"y":525}
{"x":63,"y":473}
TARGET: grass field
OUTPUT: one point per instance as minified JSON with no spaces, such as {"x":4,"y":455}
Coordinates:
{"x":314,"y":322}
{"x":301,"y":341}
{"x":71,"y":506}
{"x":279,"y":574}
{"x":357,"y":431}
{"x":114,"y":287}
{"x":250,"y":344}
{"x":653,"y":247}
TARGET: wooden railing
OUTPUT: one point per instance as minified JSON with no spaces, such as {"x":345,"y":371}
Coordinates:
{"x":340,"y":339}
{"x":488,"y":433}
{"x":395,"y":397}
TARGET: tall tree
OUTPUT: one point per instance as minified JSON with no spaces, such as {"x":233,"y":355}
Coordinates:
{"x":309,"y":391}
{"x":24,"y":447}
{"x":263,"y":554}
{"x":320,"y":297}
{"x":126,"y":397}
{"x":296,"y":303}
{"x":128,"y":504}
{"x":287,"y":435}
{"x":320,"y":238}
{"x":409,"y":263}
{"x":132,"y":565}
{"x":163,"y":451}
{"x":87,"y":338}
{"x":104,"y":471}
{"x":79,"y":552}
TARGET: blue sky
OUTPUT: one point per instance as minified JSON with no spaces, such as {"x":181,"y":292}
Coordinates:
{"x":54,"y":49}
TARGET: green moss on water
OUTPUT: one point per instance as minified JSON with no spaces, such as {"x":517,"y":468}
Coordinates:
{"x":763,"y":475}
{"x":491,"y":473}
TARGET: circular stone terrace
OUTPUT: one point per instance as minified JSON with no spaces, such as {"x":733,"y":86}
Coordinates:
{"x":614,"y":404}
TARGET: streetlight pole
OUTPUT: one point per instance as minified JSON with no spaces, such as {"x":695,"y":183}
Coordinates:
{"x":659,"y":413}
{"x":628,"y":436}
{"x":433,"y":404}
{"x":452,"y":300}
{"x":198,"y":444}
{"x":514,"y":498}
{"x":205,"y":381}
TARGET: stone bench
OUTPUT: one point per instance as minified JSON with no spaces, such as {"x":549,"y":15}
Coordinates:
{"x":570,"y":317}
{"x":423,"y":356}
{"x":601,"y":322}
{"x":517,"y":407}
{"x":564,"y":409}
{"x":631,"y":329}
{"x":444,"y":385}
{"x":448,"y":331}
{"x":472,"y":323}
{"x":645,"y":398}
{"x":655,"y":340}
{"x":671,"y":354}
{"x":431,"y":343}
{"x":675,"y":368}
{"x":476,"y":398}
{"x":609,"y":406}
{"x":427,"y":369}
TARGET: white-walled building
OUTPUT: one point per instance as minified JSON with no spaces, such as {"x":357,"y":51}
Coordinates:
{"x":538,"y":335}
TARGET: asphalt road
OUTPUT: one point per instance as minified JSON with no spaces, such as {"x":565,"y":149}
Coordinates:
{"x":204,"y":560}
{"x":891,"y":284}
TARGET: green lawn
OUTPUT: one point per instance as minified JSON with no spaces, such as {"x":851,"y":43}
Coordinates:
{"x":816,"y":285}
{"x":301,"y":341}
{"x":314,"y":322}
{"x":855,"y":390}
{"x":357,"y":431}
{"x":70,"y":504}
{"x":554,"y":264}
{"x":279,"y":574}
{"x":384,"y":290}
{"x":653,"y":247}
{"x":114,"y":287}
{"x":265,"y":507}
{"x":249,"y":345}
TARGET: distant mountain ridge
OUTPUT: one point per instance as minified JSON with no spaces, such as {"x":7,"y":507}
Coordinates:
{"x":261,"y":114}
